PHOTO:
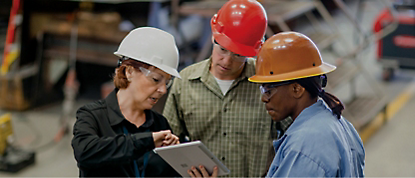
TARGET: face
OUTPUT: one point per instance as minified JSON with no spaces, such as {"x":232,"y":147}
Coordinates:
{"x":226,"y":65}
{"x":147,"y":86}
{"x":277,"y":100}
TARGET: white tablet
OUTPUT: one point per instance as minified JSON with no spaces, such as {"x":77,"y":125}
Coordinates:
{"x":183,"y":156}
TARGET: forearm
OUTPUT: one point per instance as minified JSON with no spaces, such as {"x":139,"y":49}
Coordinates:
{"x":94,"y":151}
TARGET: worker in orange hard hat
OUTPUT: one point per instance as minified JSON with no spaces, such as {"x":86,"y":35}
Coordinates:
{"x":320,"y":142}
{"x":214,"y":102}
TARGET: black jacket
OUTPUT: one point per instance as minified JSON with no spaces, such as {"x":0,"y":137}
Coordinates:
{"x":103,"y":150}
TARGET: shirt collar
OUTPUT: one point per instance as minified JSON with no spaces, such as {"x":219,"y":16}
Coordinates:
{"x":248,"y":71}
{"x":301,"y":118}
{"x":305,"y":115}
{"x":201,"y":73}
{"x":114,"y":112}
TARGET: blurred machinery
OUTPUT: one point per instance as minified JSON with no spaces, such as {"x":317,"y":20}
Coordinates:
{"x":397,"y":49}
{"x":5,"y":131}
{"x":11,"y":158}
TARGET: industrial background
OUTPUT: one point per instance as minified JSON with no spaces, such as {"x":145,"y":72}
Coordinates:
{"x":57,"y":55}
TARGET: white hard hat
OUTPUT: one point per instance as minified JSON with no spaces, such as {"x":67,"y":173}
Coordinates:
{"x":152,"y":46}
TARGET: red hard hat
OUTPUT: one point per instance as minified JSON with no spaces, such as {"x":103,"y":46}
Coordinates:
{"x":239,"y":26}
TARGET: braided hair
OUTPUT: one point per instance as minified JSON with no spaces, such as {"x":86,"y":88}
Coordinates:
{"x":314,"y":85}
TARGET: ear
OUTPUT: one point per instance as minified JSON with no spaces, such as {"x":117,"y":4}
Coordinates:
{"x":297,"y":90}
{"x":129,"y":71}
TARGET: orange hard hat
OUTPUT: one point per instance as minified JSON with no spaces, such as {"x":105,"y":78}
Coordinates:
{"x":239,"y":26}
{"x":288,"y":56}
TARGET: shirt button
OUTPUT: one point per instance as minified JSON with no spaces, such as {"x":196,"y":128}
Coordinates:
{"x":223,"y":158}
{"x":224,"y":133}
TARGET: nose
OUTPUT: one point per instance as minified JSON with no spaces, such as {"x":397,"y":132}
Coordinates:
{"x":227,"y":59}
{"x":264,"y":99}
{"x":162,"y":89}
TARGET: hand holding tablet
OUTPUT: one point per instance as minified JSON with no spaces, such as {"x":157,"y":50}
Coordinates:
{"x":182,"y":157}
{"x":202,"y":172}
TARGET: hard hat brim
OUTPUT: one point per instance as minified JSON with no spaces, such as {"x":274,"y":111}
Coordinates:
{"x":170,"y":71}
{"x":165,"y":68}
{"x":236,"y":48}
{"x":324,"y":68}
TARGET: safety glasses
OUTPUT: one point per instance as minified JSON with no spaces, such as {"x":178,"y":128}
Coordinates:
{"x":224,"y":52}
{"x":156,"y":78}
{"x":269,"y":89}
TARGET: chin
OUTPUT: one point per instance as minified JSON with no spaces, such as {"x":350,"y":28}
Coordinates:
{"x":277,"y":118}
{"x":148,"y":107}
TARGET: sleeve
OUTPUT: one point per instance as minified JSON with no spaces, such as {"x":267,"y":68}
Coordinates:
{"x":92,"y":151}
{"x":173,"y":113}
{"x":295,"y":164}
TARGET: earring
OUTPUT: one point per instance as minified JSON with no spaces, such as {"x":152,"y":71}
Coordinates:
{"x":129,"y":79}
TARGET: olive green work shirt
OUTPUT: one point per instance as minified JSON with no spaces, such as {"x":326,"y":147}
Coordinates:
{"x":234,"y":126}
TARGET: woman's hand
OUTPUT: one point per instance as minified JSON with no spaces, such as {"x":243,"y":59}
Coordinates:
{"x":202,"y":172}
{"x":164,"y":138}
{"x":170,"y":139}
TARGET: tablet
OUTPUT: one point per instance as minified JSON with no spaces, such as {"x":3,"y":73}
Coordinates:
{"x":183,"y":156}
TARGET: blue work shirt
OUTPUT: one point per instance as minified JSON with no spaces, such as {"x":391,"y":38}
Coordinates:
{"x":317,"y":144}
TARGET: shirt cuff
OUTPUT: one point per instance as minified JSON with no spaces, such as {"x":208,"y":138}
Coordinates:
{"x":143,"y":140}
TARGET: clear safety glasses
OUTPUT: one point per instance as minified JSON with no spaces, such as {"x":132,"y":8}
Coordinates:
{"x":156,"y":78}
{"x":224,"y":52}
{"x":269,"y":89}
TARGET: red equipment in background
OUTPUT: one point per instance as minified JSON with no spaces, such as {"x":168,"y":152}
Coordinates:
{"x":11,"y":52}
{"x":397,"y":49}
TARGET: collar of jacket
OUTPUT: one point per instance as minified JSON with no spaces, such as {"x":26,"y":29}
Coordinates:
{"x":114,"y":112}
{"x":306,"y":115}
{"x":248,"y":71}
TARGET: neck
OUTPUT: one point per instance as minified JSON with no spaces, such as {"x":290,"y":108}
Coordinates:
{"x":303,"y":102}
{"x":133,"y":114}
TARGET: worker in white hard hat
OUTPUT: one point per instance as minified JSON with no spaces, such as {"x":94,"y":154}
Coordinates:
{"x":115,"y":136}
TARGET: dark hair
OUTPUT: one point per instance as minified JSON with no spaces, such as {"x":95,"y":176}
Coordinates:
{"x":120,"y":79}
{"x":314,"y":86}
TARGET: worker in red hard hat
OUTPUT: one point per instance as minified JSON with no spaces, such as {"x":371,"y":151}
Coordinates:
{"x":215,"y":103}
{"x":320,"y":142}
